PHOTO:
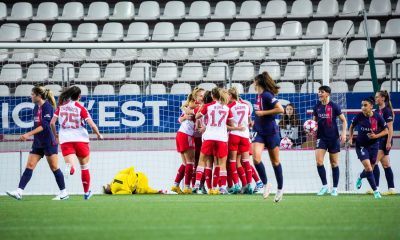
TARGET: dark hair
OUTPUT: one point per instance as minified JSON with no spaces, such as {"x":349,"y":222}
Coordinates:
{"x":45,"y":94}
{"x":207,"y":97}
{"x":385,"y":94}
{"x":265,"y":81}
{"x":369,"y":99}
{"x":72,"y":93}
{"x":325,"y":89}
{"x":289,"y":120}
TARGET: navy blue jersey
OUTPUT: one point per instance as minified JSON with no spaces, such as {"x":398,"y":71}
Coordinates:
{"x":325,"y":116}
{"x":265,"y":125}
{"x":42,"y":117}
{"x":386,"y":114}
{"x":367,"y":125}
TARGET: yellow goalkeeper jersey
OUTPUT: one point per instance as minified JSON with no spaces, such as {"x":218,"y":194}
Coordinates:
{"x":128,"y":182}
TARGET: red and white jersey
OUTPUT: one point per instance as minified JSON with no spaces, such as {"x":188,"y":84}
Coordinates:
{"x":71,"y":116}
{"x":217,"y":117}
{"x":240,"y":115}
{"x":187,"y":126}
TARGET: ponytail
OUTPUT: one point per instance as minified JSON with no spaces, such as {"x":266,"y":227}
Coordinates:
{"x":265,"y":81}
{"x":386,"y":95}
{"x":71,"y":93}
{"x":45,"y":94}
{"x":223,"y":96}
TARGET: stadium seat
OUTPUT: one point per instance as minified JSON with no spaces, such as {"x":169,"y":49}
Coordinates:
{"x":224,"y":10}
{"x":275,"y":9}
{"x":363,"y":86}
{"x":176,"y":54}
{"x":225,"y":54}
{"x":391,"y":86}
{"x":10,"y":32}
{"x":301,"y":9}
{"x":35,"y":32}
{"x":123,"y":11}
{"x":37,"y":72}
{"x":305,"y":52}
{"x":351,"y":8}
{"x":339,"y":87}
{"x":336,"y":49}
{"x":23,"y":90}
{"x":98,"y":11}
{"x":279,"y":53}
{"x":310,"y":87}
{"x":99,"y":55}
{"x":166,"y":72}
{"x":151,"y":54}
{"x":374,"y":28}
{"x":273,"y":69}
{"x":137,"y":31}
{"x":4,"y":91}
{"x":112,"y":31}
{"x":213,"y":31}
{"x":87,"y":32}
{"x":396,"y":12}
{"x":207,"y":86}
{"x":380,"y":70}
{"x":341,"y":28}
{"x":173,"y":10}
{"x":181,"y":88}
{"x":316,"y":71}
{"x":199,"y":10}
{"x":239,"y":87}
{"x":191,"y":72}
{"x":129,"y":89}
{"x":155,"y":89}
{"x":239,"y":31}
{"x":347,"y":69}
{"x":395,"y":70}
{"x":188,"y":31}
{"x":327,"y":8}
{"x":3,"y":55}
{"x":22,"y":55}
{"x":217,"y":72}
{"x":163,"y":31}
{"x":115,"y":72}
{"x":48,"y":55}
{"x":357,"y":49}
{"x":72,"y":11}
{"x":316,"y":29}
{"x":243,"y":71}
{"x":286,"y":87}
{"x":125,"y":55}
{"x":63,"y":72}
{"x":380,"y":8}
{"x":74,"y":55}
{"x":88,"y":72}
{"x":148,"y":10}
{"x":385,"y":48}
{"x":264,"y":30}
{"x":295,"y":71}
{"x":47,"y":11}
{"x":21,"y":11}
{"x":11,"y":73}
{"x":257,"y":53}
{"x":250,"y":9}
{"x":3,"y":11}
{"x":290,"y":30}
{"x":202,"y":54}
{"x":104,"y":90}
{"x":251,"y":89}
{"x":55,"y":89}
{"x":392,"y":28}
{"x":139,"y":72}
{"x":61,"y":32}
{"x":84,"y":89}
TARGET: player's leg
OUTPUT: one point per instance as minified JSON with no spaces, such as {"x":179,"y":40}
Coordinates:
{"x":207,"y":175}
{"x":83,"y":153}
{"x":368,"y":168}
{"x":52,"y":160}
{"x":241,"y":171}
{"x":258,"y":148}
{"x":244,"y":148}
{"x":385,"y":160}
{"x":199,"y":171}
{"x":189,"y":159}
{"x":179,"y":175}
{"x":334,"y":159}
{"x":319,"y":157}
{"x":274,"y":156}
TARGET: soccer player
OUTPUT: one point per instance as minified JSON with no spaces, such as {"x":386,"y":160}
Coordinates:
{"x":73,"y":136}
{"x":44,"y":143}
{"x":325,"y":114}
{"x":371,"y":127}
{"x":266,"y":131}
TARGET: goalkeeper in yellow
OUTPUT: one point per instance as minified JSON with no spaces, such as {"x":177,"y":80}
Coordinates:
{"x":127,"y":181}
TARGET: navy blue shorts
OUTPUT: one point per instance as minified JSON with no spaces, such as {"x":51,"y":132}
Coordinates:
{"x":270,"y":141}
{"x":48,"y":150}
{"x":333,"y":146}
{"x":382,"y":146}
{"x":370,"y":152}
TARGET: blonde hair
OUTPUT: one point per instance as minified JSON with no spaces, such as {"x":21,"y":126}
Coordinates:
{"x":45,"y":94}
{"x":234,"y":93}
{"x":191,"y":98}
{"x":220,"y":94}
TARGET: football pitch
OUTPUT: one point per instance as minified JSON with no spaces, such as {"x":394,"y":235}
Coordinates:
{"x":200,"y":217}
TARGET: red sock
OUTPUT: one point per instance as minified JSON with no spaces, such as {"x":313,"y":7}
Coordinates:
{"x":222,"y":178}
{"x":199,"y":174}
{"x":234,"y":173}
{"x":242,"y":176}
{"x":188,"y":174}
{"x":249,"y":173}
{"x":255,"y":175}
{"x":208,"y":177}
{"x":215,"y":180}
{"x":85,"y":176}
{"x":180,"y":174}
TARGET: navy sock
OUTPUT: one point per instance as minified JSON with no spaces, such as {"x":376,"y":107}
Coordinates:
{"x":59,"y":179}
{"x":363,"y":174}
{"x":26,"y":176}
{"x":322,"y":174}
{"x":335,"y":176}
{"x":279,"y":175}
{"x":377,"y":175}
{"x":389,"y":177}
{"x":371,"y":180}
{"x":261,"y":172}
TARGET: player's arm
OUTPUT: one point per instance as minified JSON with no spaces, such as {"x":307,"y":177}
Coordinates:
{"x":94,"y":128}
{"x":45,"y":124}
{"x":53,"y":126}
{"x":29,"y":134}
{"x":201,"y":111}
{"x":390,"y":135}
{"x":122,"y":192}
{"x":351,"y":133}
{"x":278,"y":109}
{"x":384,"y":132}
{"x":344,"y":128}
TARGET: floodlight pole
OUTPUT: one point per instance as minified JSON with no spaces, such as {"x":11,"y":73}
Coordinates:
{"x":371,"y":58}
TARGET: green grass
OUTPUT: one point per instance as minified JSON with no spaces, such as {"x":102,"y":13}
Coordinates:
{"x":200,"y":217}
